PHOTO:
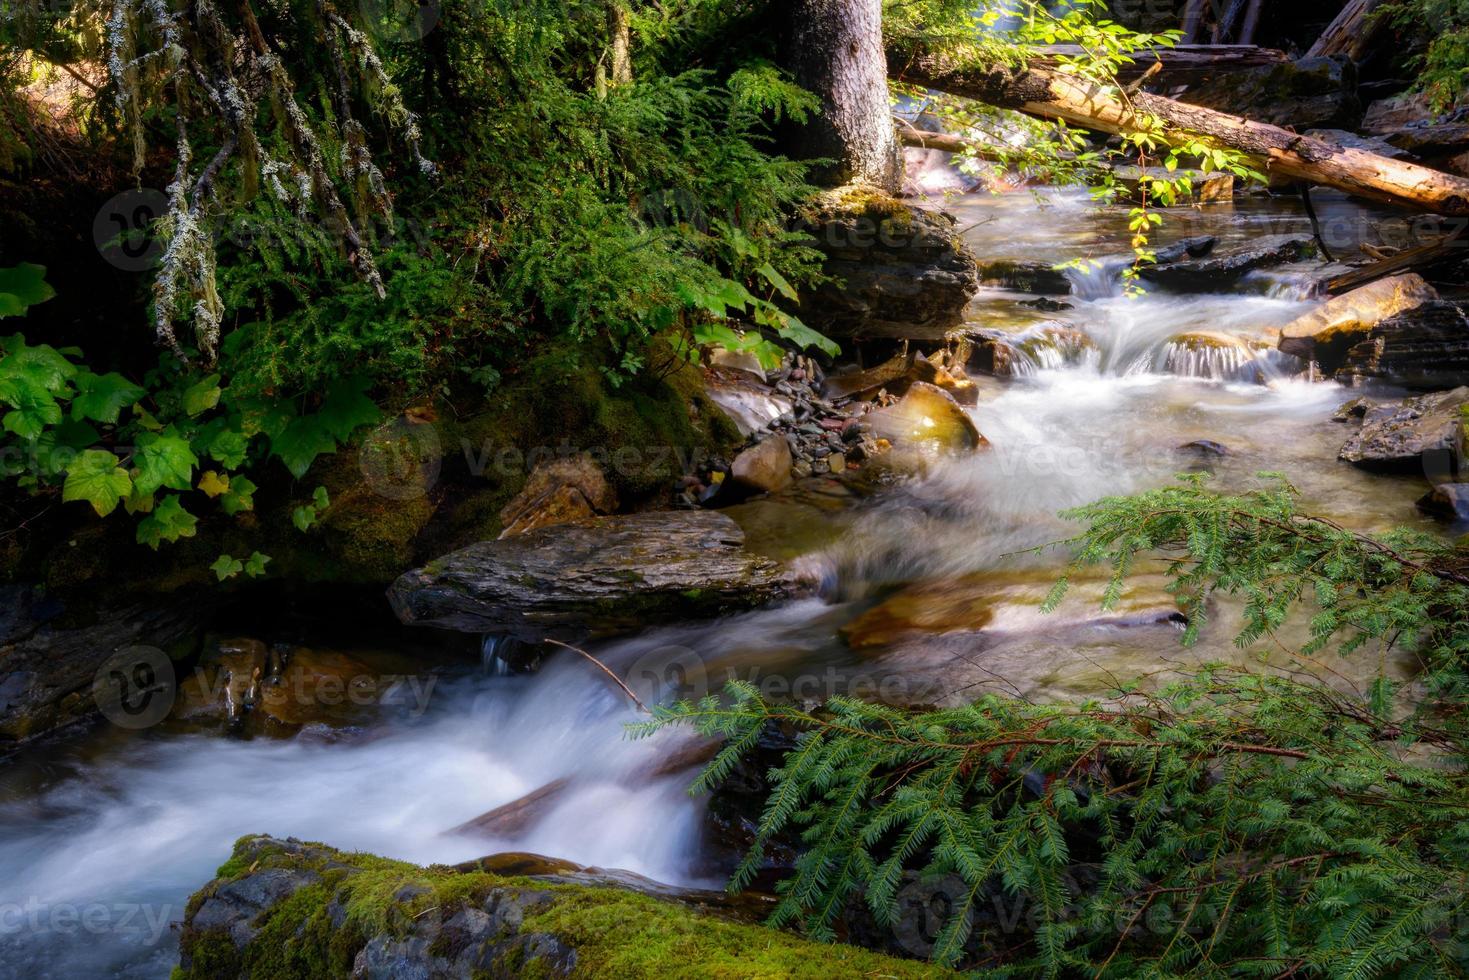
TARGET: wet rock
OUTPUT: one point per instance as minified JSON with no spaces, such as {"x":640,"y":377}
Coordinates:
{"x":1324,"y":335}
{"x":1426,"y":347}
{"x":1046,"y":305}
{"x":1313,"y":93}
{"x":285,"y":902}
{"x":1222,"y":270}
{"x":601,"y":577}
{"x":1424,"y":433}
{"x":51,"y":652}
{"x":895,"y":376}
{"x":1449,"y":501}
{"x":1042,"y":278}
{"x":561,"y":490}
{"x":895,"y":266}
{"x":927,"y":417}
{"x":1196,"y":247}
{"x":1409,"y":123}
{"x":766,"y":466}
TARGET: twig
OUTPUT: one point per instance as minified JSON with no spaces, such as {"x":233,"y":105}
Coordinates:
{"x":606,"y":670}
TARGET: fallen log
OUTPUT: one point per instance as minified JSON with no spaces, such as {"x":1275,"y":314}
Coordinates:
{"x":1055,"y":95}
{"x":1351,"y":33}
{"x":1183,"y":64}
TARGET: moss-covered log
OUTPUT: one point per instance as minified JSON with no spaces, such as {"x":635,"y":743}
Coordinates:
{"x":289,"y":910}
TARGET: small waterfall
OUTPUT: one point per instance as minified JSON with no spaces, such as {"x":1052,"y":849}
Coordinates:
{"x":1098,"y":278}
{"x":493,"y":655}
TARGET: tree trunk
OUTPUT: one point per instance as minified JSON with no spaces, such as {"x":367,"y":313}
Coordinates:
{"x":619,"y":26}
{"x":1052,"y":95}
{"x":1351,"y":33}
{"x":834,"y":48}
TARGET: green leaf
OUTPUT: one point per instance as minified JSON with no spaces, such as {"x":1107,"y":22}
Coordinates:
{"x":778,"y":281}
{"x":102,"y":397}
{"x":226,"y":567}
{"x":98,"y":478}
{"x":255,"y":564}
{"x":168,"y":522}
{"x":21,"y":287}
{"x":223,"y":443}
{"x":240,"y":496}
{"x":164,"y":459}
{"x":347,"y":408}
{"x":320,"y":498}
{"x":201,"y":396}
{"x":303,"y":517}
{"x":298,"y":445}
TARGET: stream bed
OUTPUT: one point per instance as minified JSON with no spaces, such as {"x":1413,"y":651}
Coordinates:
{"x":932,"y":595}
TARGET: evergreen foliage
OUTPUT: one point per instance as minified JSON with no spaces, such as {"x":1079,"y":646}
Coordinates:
{"x":1234,"y":823}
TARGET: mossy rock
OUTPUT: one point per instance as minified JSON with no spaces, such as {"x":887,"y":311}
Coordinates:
{"x":290,"y":910}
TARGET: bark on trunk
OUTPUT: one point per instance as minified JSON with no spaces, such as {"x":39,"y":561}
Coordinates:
{"x":834,"y":48}
{"x":1351,"y":34}
{"x":619,"y":26}
{"x":1053,"y":95}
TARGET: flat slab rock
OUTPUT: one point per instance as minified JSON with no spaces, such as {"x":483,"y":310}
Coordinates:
{"x":597,"y":577}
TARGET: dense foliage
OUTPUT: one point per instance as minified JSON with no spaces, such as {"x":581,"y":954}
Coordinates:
{"x":1234,"y":823}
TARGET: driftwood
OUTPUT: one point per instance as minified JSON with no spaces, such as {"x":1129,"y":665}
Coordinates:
{"x":1417,"y":257}
{"x":1351,"y":33}
{"x":1183,"y":64}
{"x":1054,"y":95}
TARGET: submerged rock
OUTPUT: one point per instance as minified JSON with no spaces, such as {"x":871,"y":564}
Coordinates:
{"x":287,"y":908}
{"x":1425,"y":432}
{"x":1324,"y":335}
{"x":1449,"y":501}
{"x":1425,"y":347}
{"x":601,"y":577}
{"x":1222,"y":270}
{"x":1042,"y":278}
{"x":895,"y":266}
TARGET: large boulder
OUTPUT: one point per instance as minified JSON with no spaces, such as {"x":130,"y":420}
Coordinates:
{"x":1324,"y":335}
{"x":1222,"y":270}
{"x":1313,"y":93}
{"x":1426,"y":347}
{"x":599,"y":577}
{"x":896,"y":267}
{"x":285,"y":908}
{"x":1424,"y":433}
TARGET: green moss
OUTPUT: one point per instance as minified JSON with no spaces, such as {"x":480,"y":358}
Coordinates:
{"x":317,"y":932}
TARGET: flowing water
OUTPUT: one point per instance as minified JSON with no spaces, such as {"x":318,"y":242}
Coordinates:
{"x":930,"y":598}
